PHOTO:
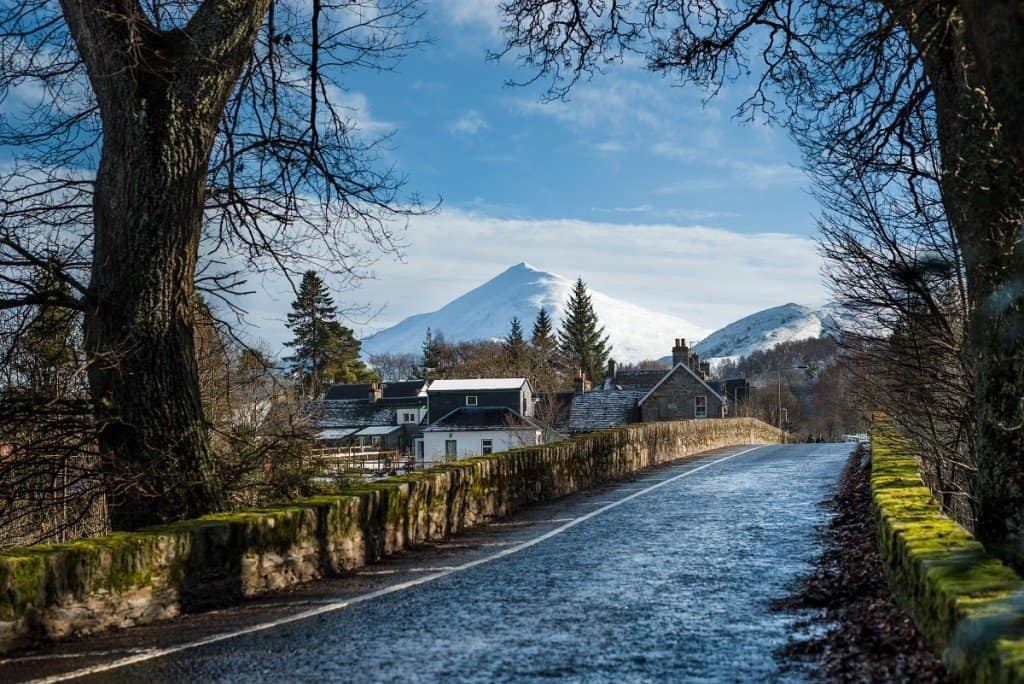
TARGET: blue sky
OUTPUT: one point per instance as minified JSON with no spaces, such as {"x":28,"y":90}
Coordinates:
{"x":627,"y":146}
{"x":637,"y":186}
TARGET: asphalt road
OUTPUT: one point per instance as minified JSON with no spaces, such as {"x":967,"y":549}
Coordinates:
{"x":668,"y":577}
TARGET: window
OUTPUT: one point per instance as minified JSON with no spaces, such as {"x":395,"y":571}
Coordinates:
{"x":471,"y":400}
{"x":451,"y":449}
{"x":408,"y":417}
{"x":700,"y":406}
{"x":486,"y":446}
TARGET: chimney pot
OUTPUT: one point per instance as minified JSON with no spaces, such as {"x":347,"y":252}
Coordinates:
{"x":680,"y":354}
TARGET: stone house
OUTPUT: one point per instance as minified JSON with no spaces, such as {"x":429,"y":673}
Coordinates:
{"x":684,"y":391}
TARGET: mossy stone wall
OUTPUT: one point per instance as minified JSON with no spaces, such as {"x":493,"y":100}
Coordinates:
{"x":51,"y":592}
{"x":965,"y":601}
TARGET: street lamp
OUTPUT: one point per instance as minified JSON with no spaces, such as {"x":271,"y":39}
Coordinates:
{"x":778,"y":375}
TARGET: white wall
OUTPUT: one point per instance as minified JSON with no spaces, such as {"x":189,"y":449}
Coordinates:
{"x":468,"y":442}
{"x":419,"y":411}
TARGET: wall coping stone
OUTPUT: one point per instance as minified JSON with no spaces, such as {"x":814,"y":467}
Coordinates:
{"x":966,"y":602}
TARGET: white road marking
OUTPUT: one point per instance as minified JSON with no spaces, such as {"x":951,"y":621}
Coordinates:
{"x":331,"y":607}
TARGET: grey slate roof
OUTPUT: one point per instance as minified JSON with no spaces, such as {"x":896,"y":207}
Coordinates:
{"x":360,"y":391}
{"x":483,"y":418}
{"x":328,"y":413}
{"x":352,"y":391}
{"x":636,"y":380}
{"x":403,"y":389}
{"x":604,"y":409}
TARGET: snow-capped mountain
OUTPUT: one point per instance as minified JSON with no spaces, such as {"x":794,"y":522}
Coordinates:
{"x":768,"y":328}
{"x":485,"y":312}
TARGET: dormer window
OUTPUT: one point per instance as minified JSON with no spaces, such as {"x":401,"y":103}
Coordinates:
{"x":471,"y":400}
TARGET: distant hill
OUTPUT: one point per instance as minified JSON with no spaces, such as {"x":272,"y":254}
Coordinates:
{"x":766,"y":329}
{"x":485,"y":312}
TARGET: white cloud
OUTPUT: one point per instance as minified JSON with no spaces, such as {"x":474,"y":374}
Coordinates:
{"x":357,"y":107}
{"x":609,"y":147}
{"x":672,"y":150}
{"x":470,"y":123}
{"x":619,"y":105}
{"x":739,"y":174}
{"x":760,"y":175}
{"x":478,"y":13}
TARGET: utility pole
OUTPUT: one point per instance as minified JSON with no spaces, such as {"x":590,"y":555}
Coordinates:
{"x":778,"y":376}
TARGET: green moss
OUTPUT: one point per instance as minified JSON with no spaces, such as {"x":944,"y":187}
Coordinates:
{"x":943,"y":575}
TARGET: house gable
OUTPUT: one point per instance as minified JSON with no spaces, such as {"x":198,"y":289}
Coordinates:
{"x":681,"y":394}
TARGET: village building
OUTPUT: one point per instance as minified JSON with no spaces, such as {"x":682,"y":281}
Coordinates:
{"x":479,"y":416}
{"x":684,"y":391}
{"x":382,"y":415}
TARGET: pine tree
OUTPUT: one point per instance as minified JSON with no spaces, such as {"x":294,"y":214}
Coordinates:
{"x":543,"y":337}
{"x":325,"y":350}
{"x":581,"y":337}
{"x":543,"y":344}
{"x":515,"y":346}
{"x":431,"y":365}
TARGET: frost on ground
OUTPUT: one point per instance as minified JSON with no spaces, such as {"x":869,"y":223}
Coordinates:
{"x":859,"y":633}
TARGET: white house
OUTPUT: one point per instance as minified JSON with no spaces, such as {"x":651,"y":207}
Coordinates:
{"x":480,"y":416}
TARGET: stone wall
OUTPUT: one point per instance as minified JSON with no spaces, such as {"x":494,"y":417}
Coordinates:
{"x":966,"y":602}
{"x":51,"y":592}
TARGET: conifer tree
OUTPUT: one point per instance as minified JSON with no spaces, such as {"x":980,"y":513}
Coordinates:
{"x":325,"y":350}
{"x":581,"y":338}
{"x":514,"y":346}
{"x":431,"y":349}
{"x":543,"y":337}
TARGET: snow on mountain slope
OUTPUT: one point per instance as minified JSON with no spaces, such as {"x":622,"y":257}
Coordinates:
{"x":486,"y":312}
{"x":766,"y":329}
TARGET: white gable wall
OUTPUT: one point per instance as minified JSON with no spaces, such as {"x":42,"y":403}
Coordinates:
{"x":468,"y":441}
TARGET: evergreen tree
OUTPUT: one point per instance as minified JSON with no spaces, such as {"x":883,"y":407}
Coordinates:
{"x":325,"y":350}
{"x":514,"y":345}
{"x":581,"y":338}
{"x":543,"y":337}
{"x":431,"y":365}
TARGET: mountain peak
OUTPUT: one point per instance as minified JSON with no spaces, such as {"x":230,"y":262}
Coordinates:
{"x":486,"y":311}
{"x":766,"y":329}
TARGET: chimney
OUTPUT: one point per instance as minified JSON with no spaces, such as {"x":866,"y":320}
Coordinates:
{"x":376,"y":393}
{"x":612,"y":369}
{"x":580,"y":384}
{"x":705,"y":370}
{"x":680,"y":352}
{"x":695,"y":362}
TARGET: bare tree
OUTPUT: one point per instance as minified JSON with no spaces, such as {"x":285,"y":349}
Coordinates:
{"x":166,"y":145}
{"x":849,"y":77}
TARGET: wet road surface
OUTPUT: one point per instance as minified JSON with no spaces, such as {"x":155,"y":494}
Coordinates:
{"x":665,"y":578}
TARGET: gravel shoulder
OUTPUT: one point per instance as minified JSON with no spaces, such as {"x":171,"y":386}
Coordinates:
{"x":858,"y":632}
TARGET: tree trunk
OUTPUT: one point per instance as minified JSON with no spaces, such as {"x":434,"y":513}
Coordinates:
{"x":144,"y":378}
{"x":972,"y":54}
{"x":161,"y":95}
